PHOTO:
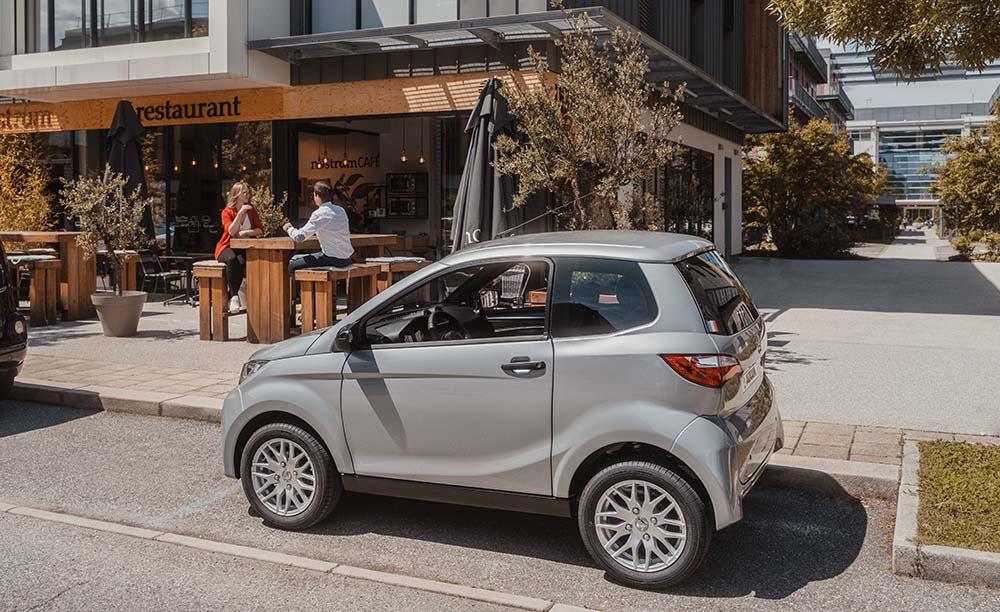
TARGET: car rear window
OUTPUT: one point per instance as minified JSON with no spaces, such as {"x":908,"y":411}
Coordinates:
{"x":725,"y":305}
{"x":599,"y":296}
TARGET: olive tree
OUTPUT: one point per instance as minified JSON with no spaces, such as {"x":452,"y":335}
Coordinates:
{"x":592,"y":132}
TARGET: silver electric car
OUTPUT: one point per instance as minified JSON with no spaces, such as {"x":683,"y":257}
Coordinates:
{"x":614,"y":377}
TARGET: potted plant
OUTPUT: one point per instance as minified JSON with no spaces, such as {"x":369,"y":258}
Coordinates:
{"x":110,"y":216}
{"x":270,"y":209}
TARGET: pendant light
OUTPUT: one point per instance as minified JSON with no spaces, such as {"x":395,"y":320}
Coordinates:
{"x":421,"y":159}
{"x":326,"y":156}
{"x":319,"y":156}
{"x":403,"y":157}
{"x":345,"y":151}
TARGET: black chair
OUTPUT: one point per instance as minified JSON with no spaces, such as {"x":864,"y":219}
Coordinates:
{"x":153,"y":273}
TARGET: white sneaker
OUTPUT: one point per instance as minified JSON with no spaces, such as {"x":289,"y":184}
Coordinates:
{"x":234,"y":304}
{"x":242,"y":293}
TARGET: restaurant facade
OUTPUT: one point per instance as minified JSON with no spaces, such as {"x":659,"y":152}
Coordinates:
{"x":370,"y":95}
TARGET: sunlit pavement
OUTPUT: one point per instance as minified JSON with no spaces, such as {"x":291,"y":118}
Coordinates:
{"x":793,"y":548}
{"x":900,"y":340}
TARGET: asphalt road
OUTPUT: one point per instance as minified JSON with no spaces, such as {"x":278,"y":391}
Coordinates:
{"x":794,"y":550}
{"x":897,"y":341}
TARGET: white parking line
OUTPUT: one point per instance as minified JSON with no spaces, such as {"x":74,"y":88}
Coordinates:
{"x":258,"y":554}
{"x":189,"y":509}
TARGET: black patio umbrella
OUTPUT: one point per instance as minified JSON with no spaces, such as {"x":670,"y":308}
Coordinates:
{"x":124,"y":150}
{"x":482,"y":207}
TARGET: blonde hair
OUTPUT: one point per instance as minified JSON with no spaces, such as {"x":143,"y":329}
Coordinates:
{"x":238,"y":189}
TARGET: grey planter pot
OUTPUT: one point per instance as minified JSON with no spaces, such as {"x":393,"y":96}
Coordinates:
{"x":119,"y":315}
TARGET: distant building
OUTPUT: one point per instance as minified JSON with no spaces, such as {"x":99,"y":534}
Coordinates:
{"x":807,"y":70}
{"x":832,"y":96}
{"x":907,"y":138}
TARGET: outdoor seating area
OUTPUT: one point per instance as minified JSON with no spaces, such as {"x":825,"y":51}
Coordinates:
{"x":58,"y":282}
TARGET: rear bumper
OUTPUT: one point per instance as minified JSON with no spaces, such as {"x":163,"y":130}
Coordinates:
{"x":729,"y":454}
{"x":12,"y":358}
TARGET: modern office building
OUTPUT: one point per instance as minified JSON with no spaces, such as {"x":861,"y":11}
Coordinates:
{"x":903,"y":126}
{"x":371,"y":95}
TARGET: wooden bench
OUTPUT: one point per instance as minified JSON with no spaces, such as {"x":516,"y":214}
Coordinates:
{"x":43,"y":290}
{"x":318,"y":288}
{"x":390,"y":269}
{"x":213,"y":301}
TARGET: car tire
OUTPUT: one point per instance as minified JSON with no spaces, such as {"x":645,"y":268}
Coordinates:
{"x":286,"y":485}
{"x":660,"y":523}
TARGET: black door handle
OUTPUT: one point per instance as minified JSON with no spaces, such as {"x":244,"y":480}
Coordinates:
{"x":524,"y":369}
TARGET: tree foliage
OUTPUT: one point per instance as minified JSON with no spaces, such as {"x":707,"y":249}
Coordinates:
{"x":969,"y":181}
{"x":907,"y":37}
{"x":108,"y":217}
{"x":803,"y":183}
{"x":270,"y":209}
{"x":24,"y":182}
{"x":592,"y":133}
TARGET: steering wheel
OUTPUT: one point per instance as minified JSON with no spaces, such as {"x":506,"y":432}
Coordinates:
{"x":443,"y":326}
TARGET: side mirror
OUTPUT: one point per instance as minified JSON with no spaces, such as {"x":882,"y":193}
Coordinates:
{"x":346,"y":339}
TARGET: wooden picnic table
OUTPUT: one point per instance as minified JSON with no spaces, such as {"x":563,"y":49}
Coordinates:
{"x":77,"y":274}
{"x":269,"y":312}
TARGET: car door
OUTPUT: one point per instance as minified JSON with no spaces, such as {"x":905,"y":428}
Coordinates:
{"x":472,"y":412}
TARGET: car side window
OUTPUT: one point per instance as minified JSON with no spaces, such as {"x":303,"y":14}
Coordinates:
{"x":494,"y":300}
{"x":599,"y":296}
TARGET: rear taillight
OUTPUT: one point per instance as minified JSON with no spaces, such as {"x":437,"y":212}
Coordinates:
{"x":707,"y":370}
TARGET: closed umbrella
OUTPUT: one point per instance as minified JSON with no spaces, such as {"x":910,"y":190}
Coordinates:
{"x":124,"y":150}
{"x":484,"y":197}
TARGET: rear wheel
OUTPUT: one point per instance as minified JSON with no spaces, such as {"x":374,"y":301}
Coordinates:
{"x":289,"y":477}
{"x":644,"y":524}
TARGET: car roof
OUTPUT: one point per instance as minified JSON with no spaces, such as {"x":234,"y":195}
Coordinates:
{"x":613,"y":244}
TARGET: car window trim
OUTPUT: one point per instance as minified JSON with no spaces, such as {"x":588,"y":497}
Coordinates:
{"x":363,"y":322}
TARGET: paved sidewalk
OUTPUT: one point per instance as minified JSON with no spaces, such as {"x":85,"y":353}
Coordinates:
{"x":86,"y":373}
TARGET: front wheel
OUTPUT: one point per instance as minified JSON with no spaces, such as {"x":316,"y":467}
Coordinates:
{"x":289,"y":477}
{"x":644,"y":524}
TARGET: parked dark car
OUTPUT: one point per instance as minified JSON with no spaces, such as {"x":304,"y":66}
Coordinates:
{"x":14,"y":338}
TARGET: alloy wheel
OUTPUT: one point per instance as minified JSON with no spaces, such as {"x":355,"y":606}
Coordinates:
{"x":640,"y":526}
{"x":284,"y":479}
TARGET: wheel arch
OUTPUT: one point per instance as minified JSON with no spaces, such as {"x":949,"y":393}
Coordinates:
{"x":633,"y":450}
{"x":267,"y":418}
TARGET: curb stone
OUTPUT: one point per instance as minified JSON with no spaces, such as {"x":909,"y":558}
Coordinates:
{"x":129,"y":401}
{"x":833,"y":476}
{"x":933,"y":562}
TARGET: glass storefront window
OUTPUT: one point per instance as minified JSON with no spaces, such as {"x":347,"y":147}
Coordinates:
{"x":384,"y":13}
{"x":686,"y":190}
{"x":433,"y":11}
{"x":334,"y":15}
{"x":340,"y":15}
{"x":52,"y":25}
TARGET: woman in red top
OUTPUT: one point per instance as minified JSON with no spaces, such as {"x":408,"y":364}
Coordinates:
{"x":239,"y":220}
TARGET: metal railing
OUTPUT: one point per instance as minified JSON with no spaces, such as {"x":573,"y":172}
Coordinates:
{"x":835,"y":92}
{"x":807,"y":46}
{"x":800,"y":96}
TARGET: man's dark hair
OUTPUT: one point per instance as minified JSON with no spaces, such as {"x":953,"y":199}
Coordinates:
{"x":323,"y":190}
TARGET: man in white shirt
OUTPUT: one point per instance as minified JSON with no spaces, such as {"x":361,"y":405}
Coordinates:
{"x":330,"y":225}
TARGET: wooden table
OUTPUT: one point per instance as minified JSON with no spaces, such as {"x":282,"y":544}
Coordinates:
{"x":77,"y":274}
{"x":269,"y":312}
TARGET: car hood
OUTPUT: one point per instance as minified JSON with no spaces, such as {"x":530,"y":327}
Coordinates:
{"x":293,"y":347}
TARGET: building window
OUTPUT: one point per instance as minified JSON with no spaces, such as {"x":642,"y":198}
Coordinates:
{"x":341,"y":15}
{"x":53,"y":25}
{"x":686,"y":189}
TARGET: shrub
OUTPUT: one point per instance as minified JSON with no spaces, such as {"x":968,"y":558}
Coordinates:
{"x":817,"y":241}
{"x":992,"y":242}
{"x":963,"y":245}
{"x":975,"y":235}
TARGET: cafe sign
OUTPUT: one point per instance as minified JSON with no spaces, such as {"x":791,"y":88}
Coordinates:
{"x":430,"y":94}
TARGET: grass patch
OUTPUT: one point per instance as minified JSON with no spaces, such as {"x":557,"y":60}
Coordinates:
{"x":959,"y":495}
